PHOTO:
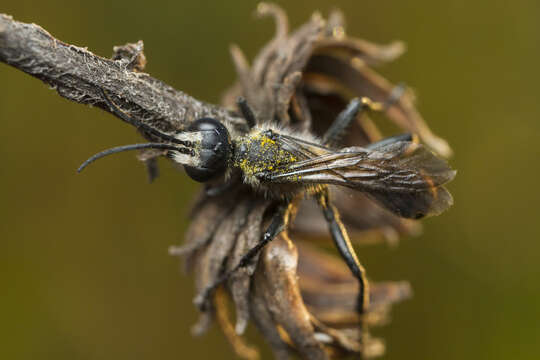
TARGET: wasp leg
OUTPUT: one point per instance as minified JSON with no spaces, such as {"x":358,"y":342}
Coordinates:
{"x":277,"y":225}
{"x":246,"y":112}
{"x":346,"y":250}
{"x":357,"y":106}
{"x":392,"y":139}
{"x":342,"y":121}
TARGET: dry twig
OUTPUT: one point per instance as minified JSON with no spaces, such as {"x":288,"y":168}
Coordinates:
{"x":79,"y":75}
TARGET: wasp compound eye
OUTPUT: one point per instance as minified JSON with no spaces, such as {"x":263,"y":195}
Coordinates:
{"x":214,"y":151}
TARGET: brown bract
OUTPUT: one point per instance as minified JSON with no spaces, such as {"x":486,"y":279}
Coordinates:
{"x":301,"y":299}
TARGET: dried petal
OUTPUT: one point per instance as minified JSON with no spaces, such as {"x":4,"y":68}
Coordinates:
{"x":360,"y":50}
{"x":277,"y":276}
{"x":284,"y":95}
{"x":240,"y":347}
{"x":241,"y":66}
{"x":239,"y":283}
{"x":260,"y":63}
{"x":206,"y":218}
{"x":265,"y":322}
{"x":211,"y":263}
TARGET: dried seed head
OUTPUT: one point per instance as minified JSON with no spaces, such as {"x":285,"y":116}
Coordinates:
{"x":300,"y":298}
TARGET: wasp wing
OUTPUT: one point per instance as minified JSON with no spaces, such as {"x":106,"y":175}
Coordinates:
{"x":403,"y":176}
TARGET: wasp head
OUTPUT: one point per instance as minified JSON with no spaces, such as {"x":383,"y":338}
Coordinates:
{"x":204,"y":148}
{"x":212,"y":147}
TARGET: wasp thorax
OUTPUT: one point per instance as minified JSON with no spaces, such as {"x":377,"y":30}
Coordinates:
{"x":213,"y":150}
{"x":258,"y":153}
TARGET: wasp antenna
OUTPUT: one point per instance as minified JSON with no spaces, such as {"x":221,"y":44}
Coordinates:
{"x":132,"y":121}
{"x":132,"y":147}
{"x":247,"y":112}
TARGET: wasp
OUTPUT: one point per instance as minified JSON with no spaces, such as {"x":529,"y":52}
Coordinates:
{"x":286,"y":165}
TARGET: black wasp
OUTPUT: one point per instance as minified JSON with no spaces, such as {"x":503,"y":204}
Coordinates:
{"x":286,"y":165}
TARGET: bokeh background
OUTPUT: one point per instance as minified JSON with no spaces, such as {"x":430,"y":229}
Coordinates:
{"x":84,"y":269}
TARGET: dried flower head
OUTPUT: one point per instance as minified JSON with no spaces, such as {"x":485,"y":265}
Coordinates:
{"x":300,"y":298}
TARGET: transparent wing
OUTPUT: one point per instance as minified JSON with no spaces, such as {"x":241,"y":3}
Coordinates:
{"x":403,"y":176}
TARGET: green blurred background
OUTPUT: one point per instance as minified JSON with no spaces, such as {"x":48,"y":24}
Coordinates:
{"x":84,"y":269}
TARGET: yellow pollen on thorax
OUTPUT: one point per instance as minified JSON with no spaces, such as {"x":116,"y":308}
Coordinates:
{"x":263,"y":154}
{"x":266,"y":141}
